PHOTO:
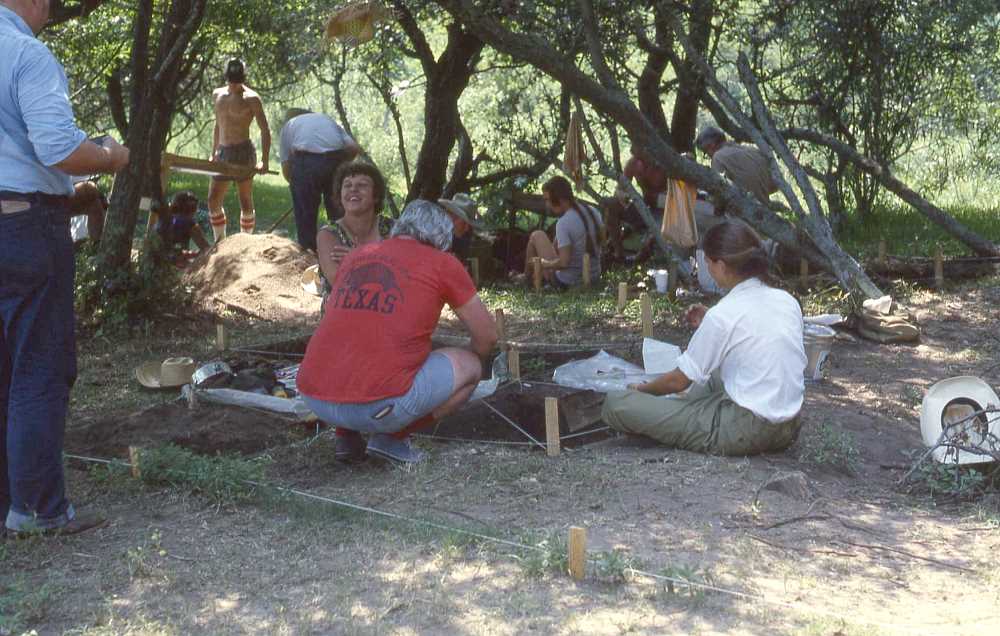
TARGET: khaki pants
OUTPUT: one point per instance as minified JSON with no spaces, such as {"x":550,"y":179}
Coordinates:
{"x":704,"y":420}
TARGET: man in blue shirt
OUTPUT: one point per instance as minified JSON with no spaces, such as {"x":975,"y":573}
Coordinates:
{"x":40,"y":147}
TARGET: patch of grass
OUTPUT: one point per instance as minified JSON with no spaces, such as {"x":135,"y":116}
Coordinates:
{"x":909,"y":233}
{"x":950,"y":480}
{"x":223,"y":479}
{"x":22,"y":604}
{"x":271,"y":199}
{"x":827,"y":446}
{"x":551,"y":558}
{"x":613,"y":566}
{"x":686,"y":580}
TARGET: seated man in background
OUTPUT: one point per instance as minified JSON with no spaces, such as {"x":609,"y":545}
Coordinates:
{"x":579,"y":231}
{"x":652,"y":183}
{"x":370,"y":367}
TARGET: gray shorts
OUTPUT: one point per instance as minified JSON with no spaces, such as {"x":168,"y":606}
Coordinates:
{"x":242,"y":154}
{"x":432,"y":386}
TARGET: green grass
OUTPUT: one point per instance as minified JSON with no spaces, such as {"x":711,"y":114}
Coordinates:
{"x":909,"y":233}
{"x":271,"y":199}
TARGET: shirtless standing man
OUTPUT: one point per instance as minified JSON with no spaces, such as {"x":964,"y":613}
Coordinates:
{"x":236,"y":106}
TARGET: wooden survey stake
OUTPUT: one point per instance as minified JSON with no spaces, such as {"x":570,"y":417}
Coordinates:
{"x":938,"y":268}
{"x":803,"y":272}
{"x":474,"y":270}
{"x":586,"y":270}
{"x":646,"y":313}
{"x":536,"y":273}
{"x":622,"y":297}
{"x":552,"y":426}
{"x":577,"y":552}
{"x":501,"y":330}
{"x":221,"y":340}
{"x":133,"y":457}
{"x":514,"y":363}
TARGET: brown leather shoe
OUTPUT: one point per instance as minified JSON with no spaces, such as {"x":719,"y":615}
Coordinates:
{"x":80,"y":523}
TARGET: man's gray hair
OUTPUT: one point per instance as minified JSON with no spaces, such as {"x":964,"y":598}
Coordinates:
{"x":709,"y":135}
{"x":427,"y":222}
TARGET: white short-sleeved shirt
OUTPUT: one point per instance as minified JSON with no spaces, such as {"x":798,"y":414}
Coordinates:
{"x":754,"y":337}
{"x":311,"y":132}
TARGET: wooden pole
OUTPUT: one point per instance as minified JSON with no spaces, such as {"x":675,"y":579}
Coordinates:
{"x":882,"y":251}
{"x":514,"y":363}
{"x":804,"y":273}
{"x":552,"y":426}
{"x":673,"y":274}
{"x":192,"y":398}
{"x":281,"y":218}
{"x":536,"y":273}
{"x":938,"y":267}
{"x":586,"y":270}
{"x":646,"y":313}
{"x":133,"y":457}
{"x":221,"y":341}
{"x":622,"y":297}
{"x":474,"y":270}
{"x":501,"y":330}
{"x":577,"y":552}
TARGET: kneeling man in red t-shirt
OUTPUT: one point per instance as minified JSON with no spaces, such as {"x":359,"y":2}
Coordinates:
{"x":369,"y":367}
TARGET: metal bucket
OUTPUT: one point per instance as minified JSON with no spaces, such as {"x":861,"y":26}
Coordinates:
{"x":817,"y":340}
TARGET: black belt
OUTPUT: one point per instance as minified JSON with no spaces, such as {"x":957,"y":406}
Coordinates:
{"x":35,"y":198}
{"x":328,"y":153}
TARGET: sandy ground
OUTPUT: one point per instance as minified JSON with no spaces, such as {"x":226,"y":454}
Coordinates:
{"x":853,"y":556}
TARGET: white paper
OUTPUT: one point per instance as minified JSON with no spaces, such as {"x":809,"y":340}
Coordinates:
{"x":659,"y":357}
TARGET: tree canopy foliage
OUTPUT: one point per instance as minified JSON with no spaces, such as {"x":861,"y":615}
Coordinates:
{"x":475,"y":95}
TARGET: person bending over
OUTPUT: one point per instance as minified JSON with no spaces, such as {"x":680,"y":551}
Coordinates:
{"x":745,"y":362}
{"x":236,"y":105}
{"x":579,"y":230}
{"x":369,"y":368}
{"x":312,"y":147}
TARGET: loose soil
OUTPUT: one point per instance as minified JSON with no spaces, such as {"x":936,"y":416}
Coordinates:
{"x":258,"y":275}
{"x":855,"y":556}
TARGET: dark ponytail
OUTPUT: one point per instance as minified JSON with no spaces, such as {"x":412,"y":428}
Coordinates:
{"x":740,"y":248}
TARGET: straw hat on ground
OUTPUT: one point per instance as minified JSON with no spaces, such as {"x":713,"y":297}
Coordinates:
{"x":171,"y":373}
{"x":311,"y":282}
{"x":953,"y":400}
{"x":464,"y":207}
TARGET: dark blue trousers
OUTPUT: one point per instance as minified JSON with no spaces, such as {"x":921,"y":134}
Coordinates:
{"x":37,"y":364}
{"x":312,"y":181}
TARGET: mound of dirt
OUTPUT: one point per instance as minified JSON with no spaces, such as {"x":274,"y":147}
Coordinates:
{"x":255,"y":274}
{"x":206,"y":430}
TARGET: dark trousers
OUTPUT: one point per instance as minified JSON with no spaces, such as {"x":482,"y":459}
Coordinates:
{"x":37,"y":364}
{"x":311,"y":181}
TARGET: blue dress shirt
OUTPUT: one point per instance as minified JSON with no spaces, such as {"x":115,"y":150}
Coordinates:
{"x":37,"y":128}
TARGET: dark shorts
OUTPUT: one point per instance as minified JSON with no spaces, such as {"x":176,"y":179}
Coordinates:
{"x":242,"y":154}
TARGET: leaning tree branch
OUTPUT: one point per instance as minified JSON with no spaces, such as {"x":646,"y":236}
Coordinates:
{"x":847,"y":270}
{"x":979,"y":245}
{"x":594,"y":47}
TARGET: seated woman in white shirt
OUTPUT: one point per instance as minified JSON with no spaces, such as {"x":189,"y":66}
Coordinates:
{"x":745,"y":362}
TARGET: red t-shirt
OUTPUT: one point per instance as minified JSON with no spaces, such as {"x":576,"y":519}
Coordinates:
{"x":385,"y":302}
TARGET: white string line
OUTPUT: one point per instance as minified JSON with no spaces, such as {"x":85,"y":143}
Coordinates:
{"x":522,"y":546}
{"x":514,"y":424}
{"x":504,"y":442}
